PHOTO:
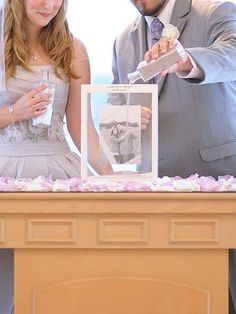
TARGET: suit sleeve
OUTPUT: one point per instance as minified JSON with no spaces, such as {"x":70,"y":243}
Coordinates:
{"x":217,"y":60}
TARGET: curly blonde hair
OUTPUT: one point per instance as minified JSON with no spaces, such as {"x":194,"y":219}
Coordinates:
{"x":55,"y":38}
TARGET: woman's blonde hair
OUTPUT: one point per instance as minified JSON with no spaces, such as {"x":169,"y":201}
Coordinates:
{"x":55,"y":38}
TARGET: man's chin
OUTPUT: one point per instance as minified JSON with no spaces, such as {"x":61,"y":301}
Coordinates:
{"x":144,"y":10}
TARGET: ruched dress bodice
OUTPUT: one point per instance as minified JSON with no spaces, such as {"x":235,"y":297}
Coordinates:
{"x":28,"y":151}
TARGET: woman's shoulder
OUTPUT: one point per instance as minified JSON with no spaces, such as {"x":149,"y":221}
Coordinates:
{"x":80,"y":50}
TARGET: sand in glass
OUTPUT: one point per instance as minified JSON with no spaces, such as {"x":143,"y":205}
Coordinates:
{"x":45,"y":119}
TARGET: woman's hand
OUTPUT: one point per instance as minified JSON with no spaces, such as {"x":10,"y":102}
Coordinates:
{"x":32,"y":104}
{"x":145,"y":117}
{"x":162,"y":47}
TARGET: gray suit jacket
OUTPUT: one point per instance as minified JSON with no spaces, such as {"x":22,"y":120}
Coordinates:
{"x":197,"y":119}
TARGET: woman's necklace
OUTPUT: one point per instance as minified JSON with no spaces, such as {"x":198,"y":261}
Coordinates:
{"x":34,"y":58}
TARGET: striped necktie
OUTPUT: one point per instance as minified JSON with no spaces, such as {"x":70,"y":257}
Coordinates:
{"x":156,"y":29}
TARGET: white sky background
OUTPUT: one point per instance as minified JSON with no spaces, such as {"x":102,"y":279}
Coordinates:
{"x":97,"y":24}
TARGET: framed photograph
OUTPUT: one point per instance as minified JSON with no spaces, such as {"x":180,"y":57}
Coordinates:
{"x":112,"y":132}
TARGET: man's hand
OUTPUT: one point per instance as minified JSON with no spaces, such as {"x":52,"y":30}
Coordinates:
{"x":145,"y":117}
{"x":162,"y":47}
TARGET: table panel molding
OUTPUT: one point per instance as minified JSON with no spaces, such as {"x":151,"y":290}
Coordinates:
{"x":1,"y":230}
{"x":51,"y":231}
{"x":194,"y":231}
{"x":126,"y":231}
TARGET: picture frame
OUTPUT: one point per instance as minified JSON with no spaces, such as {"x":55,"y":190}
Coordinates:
{"x":115,"y":112}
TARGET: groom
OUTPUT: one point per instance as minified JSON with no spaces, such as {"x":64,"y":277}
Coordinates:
{"x":197,"y":116}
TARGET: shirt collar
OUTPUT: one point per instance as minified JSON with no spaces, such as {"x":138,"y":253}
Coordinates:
{"x":165,"y":14}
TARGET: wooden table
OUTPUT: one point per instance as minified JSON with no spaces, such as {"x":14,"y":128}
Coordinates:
{"x":118,"y":253}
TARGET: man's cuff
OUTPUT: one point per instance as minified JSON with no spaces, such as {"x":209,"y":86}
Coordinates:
{"x":195,"y":73}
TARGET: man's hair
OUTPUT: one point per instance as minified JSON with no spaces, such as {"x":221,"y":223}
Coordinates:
{"x":55,"y":38}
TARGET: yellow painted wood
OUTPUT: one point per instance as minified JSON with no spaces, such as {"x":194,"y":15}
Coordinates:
{"x":136,"y":253}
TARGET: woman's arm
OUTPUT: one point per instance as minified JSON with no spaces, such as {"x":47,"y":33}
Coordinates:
{"x":81,"y":67}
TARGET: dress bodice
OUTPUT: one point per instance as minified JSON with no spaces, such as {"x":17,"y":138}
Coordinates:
{"x":28,"y":151}
{"x":23,"y":131}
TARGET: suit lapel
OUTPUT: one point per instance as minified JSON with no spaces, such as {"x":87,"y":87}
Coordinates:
{"x":179,"y":19}
{"x":138,"y":34}
{"x":180,"y":14}
{"x":139,"y":37}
